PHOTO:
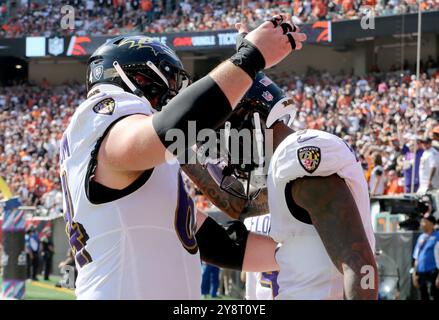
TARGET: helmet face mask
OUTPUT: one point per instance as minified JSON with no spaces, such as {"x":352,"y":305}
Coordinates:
{"x":234,"y":181}
{"x":236,"y":167}
{"x":244,"y":175}
{"x":162,"y":71}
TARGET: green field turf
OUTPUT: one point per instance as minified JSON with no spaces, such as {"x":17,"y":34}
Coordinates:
{"x":46,"y":290}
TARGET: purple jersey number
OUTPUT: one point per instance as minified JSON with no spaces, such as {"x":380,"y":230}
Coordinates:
{"x":75,"y":231}
{"x":185,"y":219}
{"x":270,"y":278}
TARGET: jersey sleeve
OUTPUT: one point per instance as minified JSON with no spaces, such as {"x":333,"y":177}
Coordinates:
{"x":313,"y":153}
{"x":109,"y":107}
{"x":98,"y":113}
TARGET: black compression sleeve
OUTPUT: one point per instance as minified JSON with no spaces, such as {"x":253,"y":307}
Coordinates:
{"x":224,"y":248}
{"x":203,"y":102}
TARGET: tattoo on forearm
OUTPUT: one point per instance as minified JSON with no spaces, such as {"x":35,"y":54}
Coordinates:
{"x":256,"y":207}
{"x":231,"y":205}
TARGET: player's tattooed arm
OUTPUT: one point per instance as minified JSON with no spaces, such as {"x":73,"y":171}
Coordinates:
{"x":235,"y":207}
{"x":256,"y":207}
{"x":335,"y":216}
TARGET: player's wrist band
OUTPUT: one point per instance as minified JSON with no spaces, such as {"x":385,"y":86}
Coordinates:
{"x":248,"y":58}
{"x":223,"y":247}
{"x":239,"y":38}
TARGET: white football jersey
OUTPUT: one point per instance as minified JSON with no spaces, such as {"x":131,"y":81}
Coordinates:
{"x":260,"y":285}
{"x":306,"y":270}
{"x":140,"y":246}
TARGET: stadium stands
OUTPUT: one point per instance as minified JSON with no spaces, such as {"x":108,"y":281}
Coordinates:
{"x":113,"y":17}
{"x":32,"y":120}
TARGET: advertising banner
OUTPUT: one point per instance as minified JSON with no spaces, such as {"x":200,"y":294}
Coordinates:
{"x":13,"y":260}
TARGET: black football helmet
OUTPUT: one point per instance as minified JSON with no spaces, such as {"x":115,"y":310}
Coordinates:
{"x":138,"y":64}
{"x":264,"y":104}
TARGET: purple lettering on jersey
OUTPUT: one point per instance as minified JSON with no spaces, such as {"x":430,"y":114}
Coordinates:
{"x":261,"y":224}
{"x":185,"y":219}
{"x":256,"y":229}
{"x":75,"y":231}
{"x":270,"y":278}
{"x":65,"y":149}
{"x":266,"y":225}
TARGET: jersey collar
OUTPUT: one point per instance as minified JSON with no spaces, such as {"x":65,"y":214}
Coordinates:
{"x":104,"y":88}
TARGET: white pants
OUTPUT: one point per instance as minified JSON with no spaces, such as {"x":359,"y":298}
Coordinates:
{"x":306,"y":271}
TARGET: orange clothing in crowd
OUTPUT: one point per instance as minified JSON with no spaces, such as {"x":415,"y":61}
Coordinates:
{"x":146,"y":5}
{"x":394,"y":187}
{"x":344,"y":101}
{"x":370,"y":167}
{"x":371,"y":3}
{"x":348,"y":5}
{"x":48,"y":183}
{"x":118,"y":3}
{"x":320,"y":9}
{"x":36,"y":113}
{"x":33,"y":182}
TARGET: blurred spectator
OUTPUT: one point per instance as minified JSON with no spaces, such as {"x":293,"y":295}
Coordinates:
{"x":32,"y":247}
{"x":393,"y":184}
{"x":408,"y":161}
{"x":210,"y":280}
{"x":426,"y":265}
{"x":47,"y":252}
{"x":429,"y":167}
{"x":226,"y":282}
{"x":377,"y":179}
{"x":435,"y":133}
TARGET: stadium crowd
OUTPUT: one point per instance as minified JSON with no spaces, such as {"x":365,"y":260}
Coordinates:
{"x":374,"y":114}
{"x":113,"y":17}
{"x":32,"y":120}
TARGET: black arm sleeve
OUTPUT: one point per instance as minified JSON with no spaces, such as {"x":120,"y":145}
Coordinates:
{"x":223,"y":247}
{"x":203,"y":102}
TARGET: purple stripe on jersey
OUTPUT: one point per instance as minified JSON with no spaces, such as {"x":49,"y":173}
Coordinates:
{"x":185,"y":219}
{"x":271,"y":278}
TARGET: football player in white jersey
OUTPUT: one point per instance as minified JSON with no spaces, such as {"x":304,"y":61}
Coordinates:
{"x":317,"y":196}
{"x":260,"y":285}
{"x":129,"y":219}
